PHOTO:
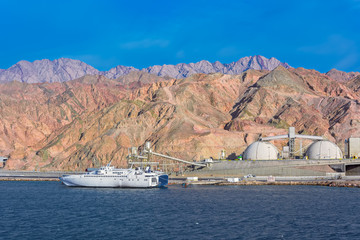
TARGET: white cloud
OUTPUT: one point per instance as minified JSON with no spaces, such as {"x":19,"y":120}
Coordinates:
{"x":336,"y":46}
{"x":145,"y":43}
{"x":348,"y":61}
{"x":180,"y":54}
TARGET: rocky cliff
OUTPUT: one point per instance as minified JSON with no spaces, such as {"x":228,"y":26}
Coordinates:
{"x":184,"y":70}
{"x":88,"y":121}
{"x":342,"y":76}
{"x":59,"y":70}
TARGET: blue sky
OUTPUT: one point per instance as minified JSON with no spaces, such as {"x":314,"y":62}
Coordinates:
{"x":313,"y":34}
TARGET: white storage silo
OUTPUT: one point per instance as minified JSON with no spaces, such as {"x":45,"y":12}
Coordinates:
{"x":261,"y":151}
{"x":324,"y":150}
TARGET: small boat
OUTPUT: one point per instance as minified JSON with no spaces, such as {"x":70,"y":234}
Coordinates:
{"x":110,"y":177}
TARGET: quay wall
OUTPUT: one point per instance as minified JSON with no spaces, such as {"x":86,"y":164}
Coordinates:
{"x":296,"y":167}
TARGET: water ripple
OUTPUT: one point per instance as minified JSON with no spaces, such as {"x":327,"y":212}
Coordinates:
{"x":49,"y":210}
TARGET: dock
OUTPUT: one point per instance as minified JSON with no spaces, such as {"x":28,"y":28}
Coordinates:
{"x":330,"y":180}
{"x":8,"y":175}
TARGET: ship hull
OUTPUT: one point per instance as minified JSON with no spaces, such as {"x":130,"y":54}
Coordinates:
{"x":115,"y":181}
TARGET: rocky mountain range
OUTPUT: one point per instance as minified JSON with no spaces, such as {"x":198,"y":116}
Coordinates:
{"x":342,"y":76}
{"x":185,"y":70}
{"x":64,"y":69}
{"x":88,"y":121}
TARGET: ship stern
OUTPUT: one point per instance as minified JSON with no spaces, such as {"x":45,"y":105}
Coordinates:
{"x":163,"y":180}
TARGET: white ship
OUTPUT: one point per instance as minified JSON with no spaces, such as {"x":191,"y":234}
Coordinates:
{"x":111,"y":177}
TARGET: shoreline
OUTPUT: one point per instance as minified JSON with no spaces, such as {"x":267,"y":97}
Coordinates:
{"x":332,"y":183}
{"x":172,"y":182}
{"x":345,"y":181}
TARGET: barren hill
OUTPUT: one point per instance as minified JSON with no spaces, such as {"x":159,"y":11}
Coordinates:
{"x":341,"y":76}
{"x":90,"y":120}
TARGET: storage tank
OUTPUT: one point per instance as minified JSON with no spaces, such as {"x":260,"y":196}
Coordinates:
{"x":324,"y":150}
{"x":261,"y":151}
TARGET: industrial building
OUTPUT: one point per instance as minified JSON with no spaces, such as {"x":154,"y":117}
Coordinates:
{"x":320,"y":158}
{"x":319,"y":149}
{"x":260,"y":150}
{"x":262,"y":158}
{"x":323,"y":150}
{"x":352,"y":147}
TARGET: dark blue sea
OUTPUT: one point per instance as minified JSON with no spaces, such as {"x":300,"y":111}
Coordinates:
{"x":49,"y":210}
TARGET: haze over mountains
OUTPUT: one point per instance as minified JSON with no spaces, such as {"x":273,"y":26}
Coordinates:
{"x":87,"y":121}
{"x":64,"y":69}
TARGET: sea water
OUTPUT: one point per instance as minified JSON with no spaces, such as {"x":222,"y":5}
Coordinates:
{"x":49,"y":210}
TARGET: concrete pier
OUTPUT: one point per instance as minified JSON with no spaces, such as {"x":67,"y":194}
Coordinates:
{"x":292,"y":167}
{"x":33,"y":175}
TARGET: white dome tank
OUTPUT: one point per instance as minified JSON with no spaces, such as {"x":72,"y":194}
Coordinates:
{"x":324,"y":150}
{"x":261,"y":151}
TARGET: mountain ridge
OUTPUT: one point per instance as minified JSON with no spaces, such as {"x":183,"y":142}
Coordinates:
{"x":66,"y":69}
{"x":341,"y":76}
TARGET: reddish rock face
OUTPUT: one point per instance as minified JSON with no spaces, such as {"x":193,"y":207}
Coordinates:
{"x":342,"y":76}
{"x":92,"y":120}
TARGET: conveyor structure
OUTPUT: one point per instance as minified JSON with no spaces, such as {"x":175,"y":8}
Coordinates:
{"x":147,"y":156}
{"x":292,"y":136}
